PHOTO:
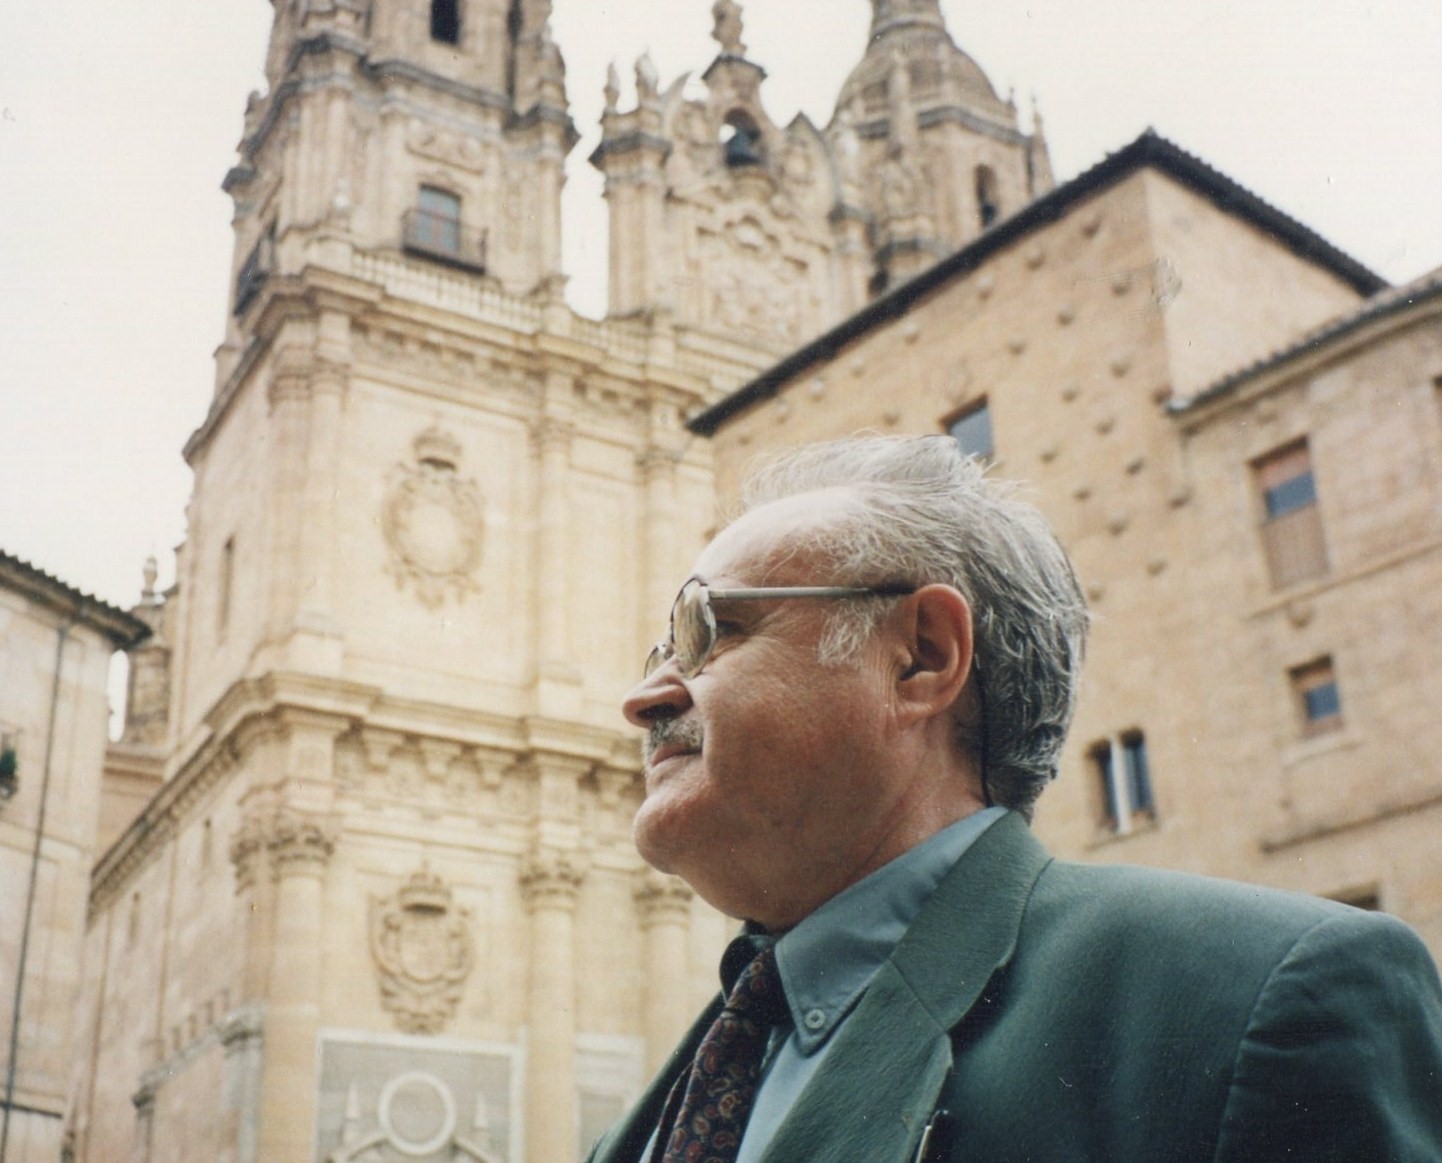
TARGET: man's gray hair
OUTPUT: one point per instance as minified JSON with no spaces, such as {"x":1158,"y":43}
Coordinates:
{"x":929,"y":514}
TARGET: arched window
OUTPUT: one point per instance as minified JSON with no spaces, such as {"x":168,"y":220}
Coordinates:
{"x":741,"y":140}
{"x":446,"y":21}
{"x":988,"y":197}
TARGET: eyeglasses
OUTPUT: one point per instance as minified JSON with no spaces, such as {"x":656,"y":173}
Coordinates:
{"x":692,"y":634}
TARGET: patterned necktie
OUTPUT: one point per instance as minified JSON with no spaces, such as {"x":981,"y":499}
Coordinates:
{"x":707,"y":1127}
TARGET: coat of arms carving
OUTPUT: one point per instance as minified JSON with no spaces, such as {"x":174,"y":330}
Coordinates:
{"x":421,"y":942}
{"x":433,"y":521}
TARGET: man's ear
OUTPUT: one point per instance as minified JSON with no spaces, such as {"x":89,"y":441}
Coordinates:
{"x":936,"y":641}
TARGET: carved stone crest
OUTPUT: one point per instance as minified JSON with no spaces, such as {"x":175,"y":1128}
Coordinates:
{"x":433,"y":521}
{"x":421,"y":942}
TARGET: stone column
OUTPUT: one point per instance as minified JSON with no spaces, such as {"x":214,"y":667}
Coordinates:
{"x":300,"y":846}
{"x":663,"y":904}
{"x":550,"y":883}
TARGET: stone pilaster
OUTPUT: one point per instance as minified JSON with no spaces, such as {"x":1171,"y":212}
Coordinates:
{"x":658,"y":472}
{"x":550,"y":883}
{"x":556,"y":671}
{"x":663,"y":904}
{"x":300,"y":845}
{"x":242,"y":1039}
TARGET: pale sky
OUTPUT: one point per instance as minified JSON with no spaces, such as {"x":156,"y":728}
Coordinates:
{"x":119,"y":118}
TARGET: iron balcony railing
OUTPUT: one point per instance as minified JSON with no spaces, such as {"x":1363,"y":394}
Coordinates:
{"x":444,"y":238}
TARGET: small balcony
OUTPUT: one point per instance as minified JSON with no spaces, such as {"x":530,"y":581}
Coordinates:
{"x":445,"y":239}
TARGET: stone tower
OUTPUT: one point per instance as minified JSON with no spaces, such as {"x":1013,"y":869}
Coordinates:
{"x":384,"y":902}
{"x":728,"y":222}
{"x":928,"y":153}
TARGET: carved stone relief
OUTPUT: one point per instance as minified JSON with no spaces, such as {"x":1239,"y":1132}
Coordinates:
{"x":434,"y":522}
{"x":386,"y":1102}
{"x":756,"y":290}
{"x":422,"y":945}
{"x":455,"y":149}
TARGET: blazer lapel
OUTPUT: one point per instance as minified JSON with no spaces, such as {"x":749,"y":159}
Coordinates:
{"x":625,"y":1141}
{"x":883,"y":1077}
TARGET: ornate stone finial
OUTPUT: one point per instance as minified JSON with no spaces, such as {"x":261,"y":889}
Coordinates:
{"x":613,"y":87}
{"x":148,"y":574}
{"x":648,"y":80}
{"x":728,"y":27}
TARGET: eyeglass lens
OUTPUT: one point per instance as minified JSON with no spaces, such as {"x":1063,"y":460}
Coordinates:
{"x":692,"y":627}
{"x":691,"y":634}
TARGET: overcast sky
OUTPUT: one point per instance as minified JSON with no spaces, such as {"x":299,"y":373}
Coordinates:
{"x":118,"y":119}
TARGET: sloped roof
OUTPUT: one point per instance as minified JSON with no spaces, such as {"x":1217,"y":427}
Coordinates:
{"x":1388,"y":302}
{"x":1150,"y":150}
{"x":124,"y":630}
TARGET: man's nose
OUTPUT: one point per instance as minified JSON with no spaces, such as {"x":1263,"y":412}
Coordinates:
{"x":660,"y":695}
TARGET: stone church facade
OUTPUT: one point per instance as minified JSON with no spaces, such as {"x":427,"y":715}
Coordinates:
{"x":382,"y":903}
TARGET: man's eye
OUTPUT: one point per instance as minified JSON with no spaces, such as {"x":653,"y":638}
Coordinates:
{"x":727,"y":629}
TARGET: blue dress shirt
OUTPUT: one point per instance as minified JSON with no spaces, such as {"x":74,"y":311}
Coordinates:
{"x":828,"y":960}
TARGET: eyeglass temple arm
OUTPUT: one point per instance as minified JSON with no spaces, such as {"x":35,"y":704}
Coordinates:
{"x":891,"y":589}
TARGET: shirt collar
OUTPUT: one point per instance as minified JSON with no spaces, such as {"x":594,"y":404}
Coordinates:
{"x":828,"y":959}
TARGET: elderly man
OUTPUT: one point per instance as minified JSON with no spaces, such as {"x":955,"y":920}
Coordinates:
{"x":866,"y":683}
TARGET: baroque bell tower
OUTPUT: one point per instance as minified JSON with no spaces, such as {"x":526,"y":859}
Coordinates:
{"x":438,"y":127}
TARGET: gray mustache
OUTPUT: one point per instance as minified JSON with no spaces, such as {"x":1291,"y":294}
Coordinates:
{"x":686,"y":732}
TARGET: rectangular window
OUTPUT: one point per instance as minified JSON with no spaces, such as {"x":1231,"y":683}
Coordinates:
{"x":446,"y":21}
{"x":438,"y":221}
{"x":225,"y":587}
{"x":971,"y":429}
{"x":1291,"y":521}
{"x":1124,"y":781}
{"x":433,"y":228}
{"x":9,"y":762}
{"x":1318,"y":699}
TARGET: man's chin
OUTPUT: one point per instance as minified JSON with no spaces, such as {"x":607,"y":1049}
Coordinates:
{"x":656,"y":835}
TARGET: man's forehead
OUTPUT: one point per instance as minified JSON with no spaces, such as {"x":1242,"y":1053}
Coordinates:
{"x":773,"y":533}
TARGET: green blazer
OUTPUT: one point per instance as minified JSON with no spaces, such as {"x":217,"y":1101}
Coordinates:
{"x":1078,"y":1012}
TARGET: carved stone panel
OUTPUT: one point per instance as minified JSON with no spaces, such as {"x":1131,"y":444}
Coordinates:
{"x":398,"y":1100}
{"x":422,"y":944}
{"x":433,"y":521}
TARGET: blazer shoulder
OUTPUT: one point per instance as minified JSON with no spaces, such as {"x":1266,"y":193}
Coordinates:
{"x":1342,"y":1054}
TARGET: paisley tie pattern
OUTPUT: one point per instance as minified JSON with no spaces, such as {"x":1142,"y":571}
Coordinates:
{"x":716,"y":1103}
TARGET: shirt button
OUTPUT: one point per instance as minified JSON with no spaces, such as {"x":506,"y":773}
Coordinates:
{"x":815,"y":1019}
